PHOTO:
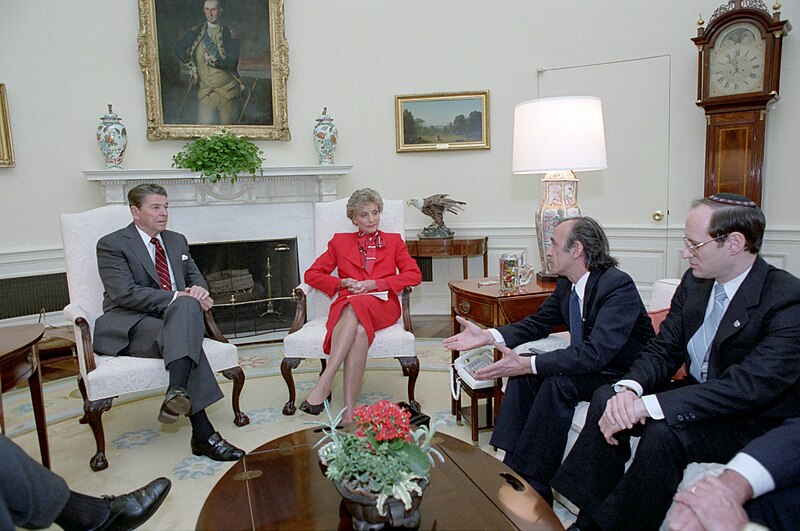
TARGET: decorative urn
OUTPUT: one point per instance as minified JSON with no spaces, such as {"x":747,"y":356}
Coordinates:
{"x":112,"y":138}
{"x":325,"y":137}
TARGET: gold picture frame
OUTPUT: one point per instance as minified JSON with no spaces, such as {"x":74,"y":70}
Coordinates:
{"x":442,"y":121}
{"x":252,"y":51}
{"x":6,"y":146}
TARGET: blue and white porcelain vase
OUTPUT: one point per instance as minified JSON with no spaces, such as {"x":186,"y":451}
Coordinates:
{"x":325,"y":137}
{"x":112,"y":138}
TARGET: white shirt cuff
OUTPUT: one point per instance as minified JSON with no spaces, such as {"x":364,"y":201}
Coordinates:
{"x":754,"y":472}
{"x":653,"y":407}
{"x":633,"y":385}
{"x":174,"y":296}
{"x":498,"y":337}
{"x":650,"y":401}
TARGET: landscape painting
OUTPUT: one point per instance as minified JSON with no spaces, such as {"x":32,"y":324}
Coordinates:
{"x":442,"y":121}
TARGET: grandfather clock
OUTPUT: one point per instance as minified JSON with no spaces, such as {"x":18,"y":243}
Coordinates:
{"x":739,"y":71}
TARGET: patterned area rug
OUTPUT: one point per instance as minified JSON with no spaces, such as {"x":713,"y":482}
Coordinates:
{"x":139,"y":448}
{"x":63,"y":401}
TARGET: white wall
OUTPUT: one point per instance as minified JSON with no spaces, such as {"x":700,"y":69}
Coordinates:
{"x":62,"y":62}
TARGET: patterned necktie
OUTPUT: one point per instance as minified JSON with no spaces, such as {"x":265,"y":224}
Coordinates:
{"x":700,"y":344}
{"x":161,"y":266}
{"x":368,"y":244}
{"x":575,"y":320}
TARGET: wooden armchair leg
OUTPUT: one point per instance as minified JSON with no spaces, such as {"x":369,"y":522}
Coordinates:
{"x":92,"y":415}
{"x":287,"y":365}
{"x":236,"y":374}
{"x":410,"y":367}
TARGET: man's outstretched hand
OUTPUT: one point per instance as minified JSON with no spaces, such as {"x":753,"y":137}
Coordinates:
{"x":471,"y":337}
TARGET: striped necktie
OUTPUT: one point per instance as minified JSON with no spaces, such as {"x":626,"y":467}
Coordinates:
{"x":161,"y":266}
{"x":700,"y":344}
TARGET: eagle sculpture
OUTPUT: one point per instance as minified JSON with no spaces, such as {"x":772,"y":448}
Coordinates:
{"x":435,"y":206}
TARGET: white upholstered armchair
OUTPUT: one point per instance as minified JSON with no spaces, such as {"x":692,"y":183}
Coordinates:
{"x":308,"y":329}
{"x":102,"y":378}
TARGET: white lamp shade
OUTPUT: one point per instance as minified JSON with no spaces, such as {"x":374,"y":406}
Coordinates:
{"x":557,"y":134}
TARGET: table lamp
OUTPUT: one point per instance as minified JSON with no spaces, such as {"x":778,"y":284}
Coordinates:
{"x":557,"y":137}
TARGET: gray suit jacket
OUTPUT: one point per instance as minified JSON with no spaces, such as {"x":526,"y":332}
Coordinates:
{"x":131,"y":283}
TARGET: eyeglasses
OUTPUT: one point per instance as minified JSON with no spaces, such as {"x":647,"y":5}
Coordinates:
{"x":693,"y":247}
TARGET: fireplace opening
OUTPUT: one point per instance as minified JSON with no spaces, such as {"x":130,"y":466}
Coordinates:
{"x":252,"y":284}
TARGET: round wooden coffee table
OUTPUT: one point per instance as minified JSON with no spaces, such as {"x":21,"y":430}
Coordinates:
{"x":280,"y":485}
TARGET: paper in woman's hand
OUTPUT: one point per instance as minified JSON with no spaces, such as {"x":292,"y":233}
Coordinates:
{"x":382,"y":295}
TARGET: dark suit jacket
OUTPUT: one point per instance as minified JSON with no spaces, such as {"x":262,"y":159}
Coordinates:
{"x":615,"y":326}
{"x":131,"y":283}
{"x":779,"y":451}
{"x":754,"y":365}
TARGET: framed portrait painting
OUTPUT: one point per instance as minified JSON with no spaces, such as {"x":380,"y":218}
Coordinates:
{"x":6,"y":147}
{"x":212,"y":65}
{"x":443,"y":121}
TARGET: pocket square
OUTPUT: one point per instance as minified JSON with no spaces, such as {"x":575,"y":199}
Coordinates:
{"x":184,"y":257}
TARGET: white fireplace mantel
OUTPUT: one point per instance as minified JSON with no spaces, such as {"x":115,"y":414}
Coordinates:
{"x":284,"y":184}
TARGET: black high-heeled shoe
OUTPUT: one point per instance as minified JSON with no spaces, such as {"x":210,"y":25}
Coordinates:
{"x":315,"y":409}
{"x":312,"y":409}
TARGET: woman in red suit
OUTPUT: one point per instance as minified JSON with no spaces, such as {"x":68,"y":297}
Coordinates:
{"x":369,"y":262}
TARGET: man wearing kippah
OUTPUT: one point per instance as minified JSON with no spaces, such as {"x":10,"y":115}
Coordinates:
{"x":734,"y":323}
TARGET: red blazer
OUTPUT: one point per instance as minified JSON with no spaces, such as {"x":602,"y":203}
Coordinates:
{"x":394,"y":270}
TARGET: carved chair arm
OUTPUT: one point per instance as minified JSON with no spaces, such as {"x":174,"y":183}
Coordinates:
{"x":77,"y":316}
{"x":212,"y":330}
{"x":405,"y":304}
{"x":300,"y":293}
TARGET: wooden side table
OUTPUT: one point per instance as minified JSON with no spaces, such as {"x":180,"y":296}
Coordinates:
{"x":19,"y":360}
{"x":488,"y":307}
{"x":446,"y":247}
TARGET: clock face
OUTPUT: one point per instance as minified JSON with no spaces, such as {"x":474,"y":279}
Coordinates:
{"x":736,"y":62}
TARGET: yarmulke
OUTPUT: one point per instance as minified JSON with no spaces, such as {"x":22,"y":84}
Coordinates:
{"x":727,"y":198}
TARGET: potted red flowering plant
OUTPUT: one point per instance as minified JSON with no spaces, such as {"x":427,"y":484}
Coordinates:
{"x":382,"y":468}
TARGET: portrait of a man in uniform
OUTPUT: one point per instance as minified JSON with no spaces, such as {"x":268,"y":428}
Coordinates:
{"x":214,"y":61}
{"x":211,"y":53}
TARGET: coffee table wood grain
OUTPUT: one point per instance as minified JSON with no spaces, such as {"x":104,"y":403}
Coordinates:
{"x":280,"y":485}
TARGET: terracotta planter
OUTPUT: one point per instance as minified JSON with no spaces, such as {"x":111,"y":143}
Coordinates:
{"x":363,"y":507}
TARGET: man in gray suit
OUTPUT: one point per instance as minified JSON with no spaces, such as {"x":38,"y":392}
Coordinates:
{"x":153,"y":308}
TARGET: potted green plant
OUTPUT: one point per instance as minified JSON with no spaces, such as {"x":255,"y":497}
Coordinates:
{"x":382,"y":468}
{"x":220,"y":156}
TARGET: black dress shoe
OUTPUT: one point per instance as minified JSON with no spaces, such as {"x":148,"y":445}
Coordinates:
{"x":217,"y":448}
{"x":312,"y":409}
{"x":176,"y":403}
{"x":131,"y":510}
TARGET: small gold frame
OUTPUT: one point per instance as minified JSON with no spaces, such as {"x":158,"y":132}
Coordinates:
{"x":468,"y":127}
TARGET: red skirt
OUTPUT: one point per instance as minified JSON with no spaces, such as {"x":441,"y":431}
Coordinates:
{"x":372,"y":312}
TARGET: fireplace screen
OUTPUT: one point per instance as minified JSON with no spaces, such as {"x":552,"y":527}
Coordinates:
{"x":251,"y":283}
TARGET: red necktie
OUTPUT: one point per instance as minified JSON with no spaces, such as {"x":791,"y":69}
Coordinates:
{"x":161,"y":266}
